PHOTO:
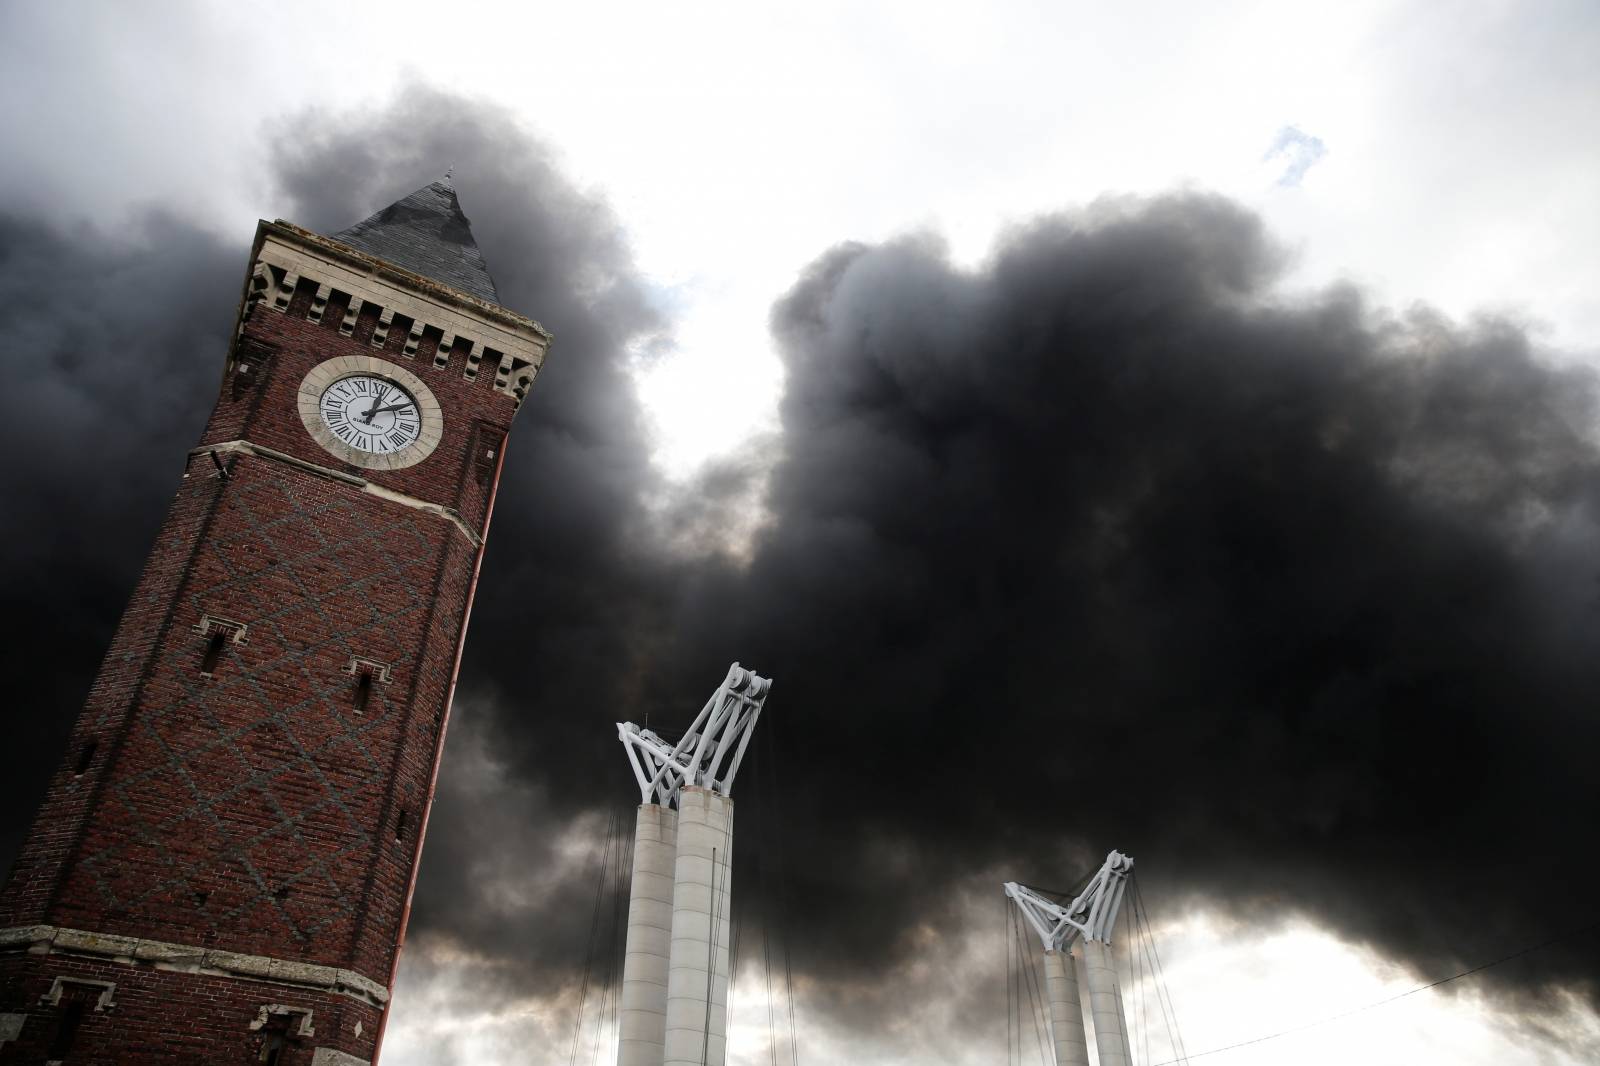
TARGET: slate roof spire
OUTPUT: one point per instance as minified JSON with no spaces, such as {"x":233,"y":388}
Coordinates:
{"x":427,"y":233}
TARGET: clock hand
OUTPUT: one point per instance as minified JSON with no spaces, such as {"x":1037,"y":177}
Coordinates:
{"x":373,"y":410}
{"x":391,"y":407}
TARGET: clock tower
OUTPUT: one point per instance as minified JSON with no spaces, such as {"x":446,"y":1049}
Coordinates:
{"x":222,"y":868}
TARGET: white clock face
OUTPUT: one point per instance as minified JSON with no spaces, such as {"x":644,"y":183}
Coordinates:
{"x":371,"y":414}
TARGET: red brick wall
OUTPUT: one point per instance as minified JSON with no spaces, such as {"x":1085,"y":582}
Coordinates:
{"x":175,"y":1019}
{"x":256,"y":810}
{"x":34,"y":875}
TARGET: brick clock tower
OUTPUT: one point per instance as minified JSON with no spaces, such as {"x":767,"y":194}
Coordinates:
{"x":222,"y":869}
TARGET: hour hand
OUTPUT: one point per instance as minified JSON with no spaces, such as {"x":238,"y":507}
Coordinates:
{"x":381,"y":410}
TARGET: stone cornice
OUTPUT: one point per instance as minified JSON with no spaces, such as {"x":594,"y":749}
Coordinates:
{"x":513,"y":346}
{"x":383,"y":269}
{"x":185,"y":958}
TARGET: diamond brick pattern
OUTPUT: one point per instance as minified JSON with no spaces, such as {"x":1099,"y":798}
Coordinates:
{"x":255,"y":794}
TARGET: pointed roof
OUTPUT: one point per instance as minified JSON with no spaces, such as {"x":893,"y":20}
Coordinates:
{"x":426,"y":233}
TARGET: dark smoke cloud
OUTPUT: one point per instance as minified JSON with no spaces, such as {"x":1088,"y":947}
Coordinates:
{"x":1098,"y":544}
{"x":1101,"y":544}
{"x":112,"y":359}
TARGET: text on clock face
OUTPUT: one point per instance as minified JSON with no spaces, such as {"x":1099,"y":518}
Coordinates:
{"x":371,"y":413}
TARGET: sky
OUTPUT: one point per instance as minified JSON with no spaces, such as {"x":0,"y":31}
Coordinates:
{"x":1128,"y":426}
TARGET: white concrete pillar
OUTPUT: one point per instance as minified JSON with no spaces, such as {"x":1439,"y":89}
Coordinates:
{"x":1105,"y":1005}
{"x":697,"y":976}
{"x":1066,"y":1013}
{"x":642,"y":1022}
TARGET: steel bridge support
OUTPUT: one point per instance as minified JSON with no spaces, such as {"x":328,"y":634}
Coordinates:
{"x":1091,"y":916}
{"x":676,"y":970}
{"x":1066,"y":1011}
{"x":642,"y":1020}
{"x":697,"y":980}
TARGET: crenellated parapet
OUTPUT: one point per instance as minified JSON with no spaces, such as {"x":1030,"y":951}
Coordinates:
{"x":435,"y":318}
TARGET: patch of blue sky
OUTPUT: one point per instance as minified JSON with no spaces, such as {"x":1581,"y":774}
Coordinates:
{"x":1296,"y":152}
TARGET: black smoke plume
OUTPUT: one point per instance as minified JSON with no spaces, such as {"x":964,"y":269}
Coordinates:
{"x":1103,"y":542}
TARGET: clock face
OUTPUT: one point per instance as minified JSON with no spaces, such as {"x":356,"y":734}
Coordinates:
{"x":371,"y":414}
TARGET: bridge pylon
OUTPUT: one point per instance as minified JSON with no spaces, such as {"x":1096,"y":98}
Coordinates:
{"x":1091,"y":918}
{"x":677,"y":966}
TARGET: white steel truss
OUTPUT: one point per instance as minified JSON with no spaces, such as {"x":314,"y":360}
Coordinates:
{"x":1092,"y":915}
{"x":709,"y":754}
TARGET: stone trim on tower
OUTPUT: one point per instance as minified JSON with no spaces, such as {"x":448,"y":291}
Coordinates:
{"x":287,"y":256}
{"x":244,"y":447}
{"x":186,"y":958}
{"x":105,"y":996}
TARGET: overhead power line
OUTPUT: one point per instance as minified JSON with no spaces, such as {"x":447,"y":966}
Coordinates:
{"x":1570,"y":933}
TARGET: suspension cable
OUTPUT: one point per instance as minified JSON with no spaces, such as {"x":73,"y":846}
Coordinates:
{"x":779,"y":839}
{"x":1030,"y":979}
{"x":594,"y":933}
{"x":1130,"y":1028}
{"x":1147,"y":949}
{"x":609,"y":1019}
{"x":1011,"y":975}
{"x":1163,"y":989}
{"x":1147,"y":988}
{"x":763,"y":794}
{"x":1140,"y":1037}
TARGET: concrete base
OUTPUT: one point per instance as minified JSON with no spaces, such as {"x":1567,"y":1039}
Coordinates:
{"x":1066,"y":1012}
{"x":642,"y":1021}
{"x":1105,"y":1005}
{"x":697,"y":978}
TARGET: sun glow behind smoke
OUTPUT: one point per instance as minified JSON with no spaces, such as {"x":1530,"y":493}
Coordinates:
{"x":1226,"y":985}
{"x":1230,"y":987}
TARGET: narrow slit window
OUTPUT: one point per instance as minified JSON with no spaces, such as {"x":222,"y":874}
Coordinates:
{"x":272,"y":1048}
{"x":85,"y":757}
{"x":214,"y":645}
{"x":218,"y":633}
{"x":400,"y":825}
{"x":363,"y":691}
{"x":67,"y":1030}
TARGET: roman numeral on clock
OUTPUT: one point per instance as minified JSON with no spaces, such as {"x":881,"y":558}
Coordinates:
{"x":371,"y":414}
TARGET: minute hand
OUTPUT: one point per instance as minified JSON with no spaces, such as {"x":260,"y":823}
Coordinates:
{"x":381,"y":410}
